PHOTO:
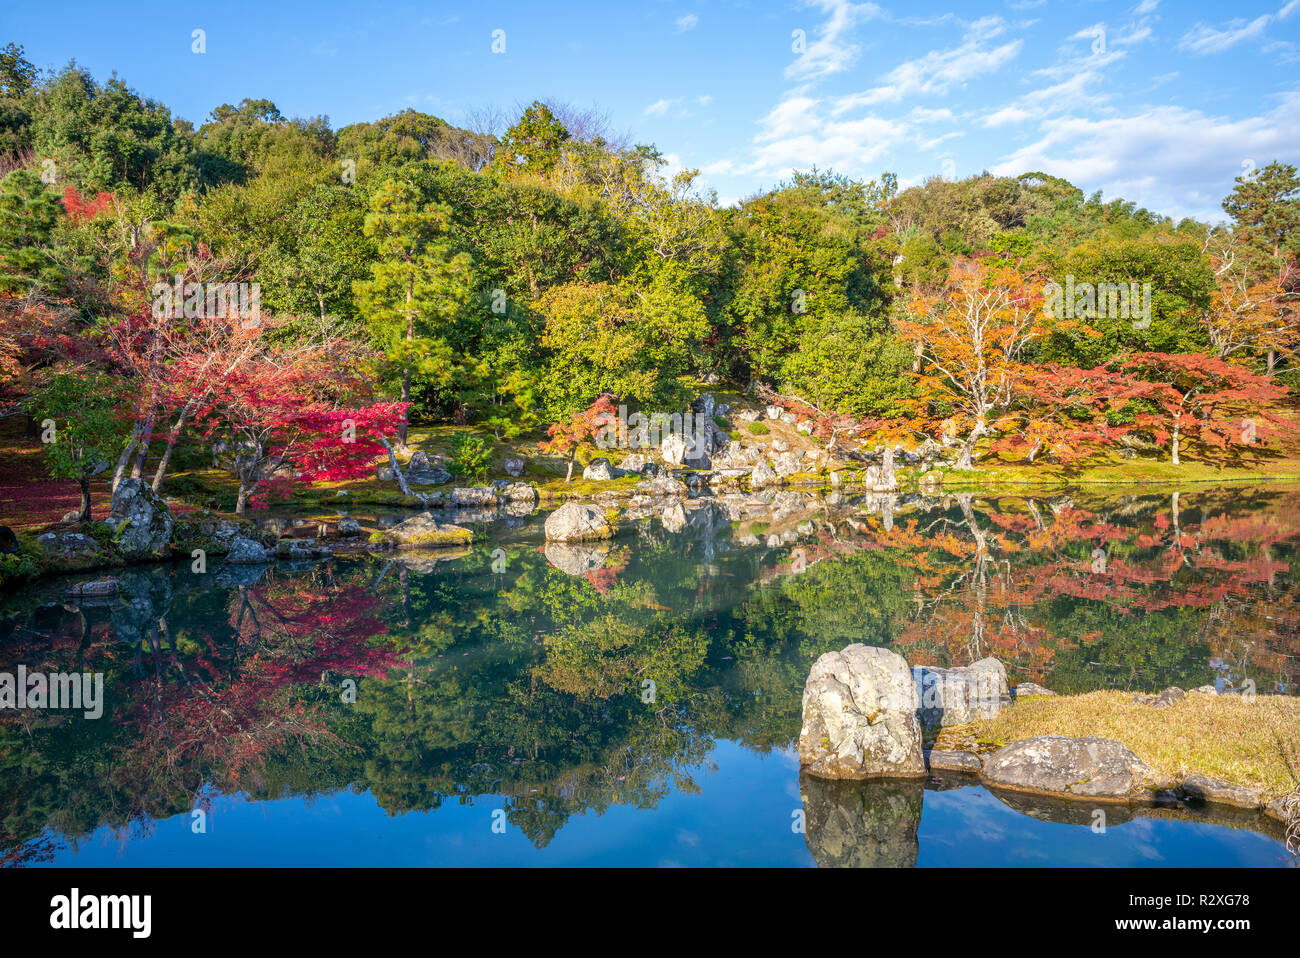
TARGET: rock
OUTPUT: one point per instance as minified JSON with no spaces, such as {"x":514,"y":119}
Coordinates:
{"x":1204,"y":789}
{"x":244,"y":551}
{"x":300,"y":549}
{"x":787,"y":464}
{"x":774,"y":412}
{"x":96,"y":587}
{"x":436,"y":476}
{"x":385,"y":473}
{"x":745,"y":415}
{"x":763,"y":475}
{"x":8,"y":541}
{"x":942,"y":760}
{"x":577,"y":522}
{"x":1165,"y":699}
{"x":705,"y":405}
{"x":600,"y":470}
{"x":780,"y":445}
{"x":1204,"y":690}
{"x":788,"y":418}
{"x":887,"y":481}
{"x":961,"y":695}
{"x":634,"y":462}
{"x":423,"y":531}
{"x":932,"y":480}
{"x":519,"y":492}
{"x":419,"y":462}
{"x":473,"y":496}
{"x":67,"y":545}
{"x":805,"y":427}
{"x":1029,"y":690}
{"x":141,"y":521}
{"x":349,"y":526}
{"x":673,"y":449}
{"x":861,"y":824}
{"x":663,"y":486}
{"x":859,"y":716}
{"x":1094,"y":768}
{"x":673,"y":517}
{"x":515,"y":467}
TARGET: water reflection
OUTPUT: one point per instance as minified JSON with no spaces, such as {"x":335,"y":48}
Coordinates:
{"x":568,"y":680}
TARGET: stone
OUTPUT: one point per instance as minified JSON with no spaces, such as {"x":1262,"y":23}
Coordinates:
{"x":1092,"y":768}
{"x":787,"y":464}
{"x":961,"y":695}
{"x":519,"y":492}
{"x":423,"y":531}
{"x":788,"y":418}
{"x":419,"y":462}
{"x":859,"y":716}
{"x":67,"y":545}
{"x":244,"y":551}
{"x":300,"y":549}
{"x":474,"y":496}
{"x":385,"y":473}
{"x":600,"y":470}
{"x":705,"y":405}
{"x":1204,"y":690}
{"x":763,"y":475}
{"x":805,"y":427}
{"x":774,"y":412}
{"x":1165,"y":699}
{"x":436,"y":476}
{"x":673,"y":449}
{"x":1029,"y":690}
{"x":633,"y":462}
{"x":673,"y":517}
{"x":943,"y":760}
{"x":349,"y":526}
{"x":577,"y":522}
{"x":140,"y":520}
{"x":515,"y":467}
{"x":1201,"y":788}
{"x":96,"y":587}
{"x":662,"y":486}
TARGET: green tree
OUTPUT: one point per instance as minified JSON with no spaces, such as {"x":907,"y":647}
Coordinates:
{"x":29,"y":216}
{"x":417,"y":285}
{"x":1265,"y":205}
{"x":87,"y":433}
{"x":534,"y":142}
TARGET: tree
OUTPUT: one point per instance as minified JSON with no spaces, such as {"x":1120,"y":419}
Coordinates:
{"x":533,"y":143}
{"x":416,"y":287}
{"x":29,"y":214}
{"x":972,"y":343}
{"x":86,"y":429}
{"x":1265,"y":204}
{"x":580,"y":430}
{"x":1204,"y":397}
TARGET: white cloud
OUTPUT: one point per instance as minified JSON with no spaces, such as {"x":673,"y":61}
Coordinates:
{"x":832,"y":51}
{"x":688,"y":22}
{"x":1172,"y":159}
{"x":660,"y":107}
{"x":1205,"y":39}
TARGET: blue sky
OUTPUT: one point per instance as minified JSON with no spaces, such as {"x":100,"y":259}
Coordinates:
{"x":1158,"y":101}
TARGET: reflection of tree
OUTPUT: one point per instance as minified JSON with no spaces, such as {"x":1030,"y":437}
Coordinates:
{"x":522,"y":685}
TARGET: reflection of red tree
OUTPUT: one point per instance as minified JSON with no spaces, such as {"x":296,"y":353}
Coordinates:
{"x":982,"y":580}
{"x":221,"y":713}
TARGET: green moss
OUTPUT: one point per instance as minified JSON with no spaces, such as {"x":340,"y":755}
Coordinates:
{"x":759,"y":428}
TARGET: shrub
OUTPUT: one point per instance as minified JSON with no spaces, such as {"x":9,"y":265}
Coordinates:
{"x":470,"y":456}
{"x":758,"y":428}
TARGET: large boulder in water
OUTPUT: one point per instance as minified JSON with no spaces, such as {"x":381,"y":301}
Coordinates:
{"x":1092,"y":768}
{"x":423,"y":532}
{"x":141,"y":521}
{"x":244,"y":551}
{"x":860,"y":716}
{"x":577,"y":522}
{"x":961,"y":695}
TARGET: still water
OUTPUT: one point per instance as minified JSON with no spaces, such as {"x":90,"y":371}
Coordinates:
{"x":635,"y":702}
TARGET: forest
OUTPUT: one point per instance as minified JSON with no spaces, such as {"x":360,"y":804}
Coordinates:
{"x":290,"y":298}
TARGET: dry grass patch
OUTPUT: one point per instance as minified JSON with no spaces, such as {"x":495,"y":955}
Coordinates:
{"x":1244,"y":742}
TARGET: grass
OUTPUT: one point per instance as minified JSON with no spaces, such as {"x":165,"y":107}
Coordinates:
{"x":1254,"y":743}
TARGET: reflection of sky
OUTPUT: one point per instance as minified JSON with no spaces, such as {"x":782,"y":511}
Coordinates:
{"x":741,"y":816}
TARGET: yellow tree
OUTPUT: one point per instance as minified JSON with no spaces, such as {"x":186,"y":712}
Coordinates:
{"x":971,"y":339}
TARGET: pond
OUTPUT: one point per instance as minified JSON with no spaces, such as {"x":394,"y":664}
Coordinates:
{"x":633,"y":702}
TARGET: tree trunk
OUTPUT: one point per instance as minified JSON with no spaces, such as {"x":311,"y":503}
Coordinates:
{"x":137,"y":469}
{"x":84,"y":482}
{"x":1174,"y":444}
{"x":568,"y":476}
{"x":241,"y":502}
{"x":172,"y":436}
